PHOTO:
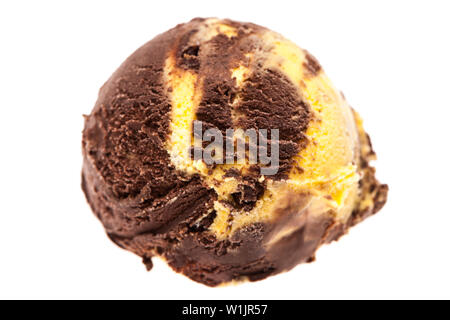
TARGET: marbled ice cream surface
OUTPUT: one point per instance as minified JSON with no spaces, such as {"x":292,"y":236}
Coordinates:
{"x":225,"y":222}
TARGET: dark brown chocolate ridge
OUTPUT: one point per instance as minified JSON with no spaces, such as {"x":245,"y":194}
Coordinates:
{"x":218,"y":57}
{"x":128,"y":178}
{"x":311,"y":64}
{"x":270,"y":101}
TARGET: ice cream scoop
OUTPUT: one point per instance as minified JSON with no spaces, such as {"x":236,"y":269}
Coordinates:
{"x":224,"y":149}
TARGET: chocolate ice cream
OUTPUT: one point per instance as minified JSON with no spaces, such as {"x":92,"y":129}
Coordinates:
{"x":229,"y":220}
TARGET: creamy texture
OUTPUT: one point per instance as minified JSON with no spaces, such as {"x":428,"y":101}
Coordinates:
{"x":329,"y":162}
{"x":227,"y":222}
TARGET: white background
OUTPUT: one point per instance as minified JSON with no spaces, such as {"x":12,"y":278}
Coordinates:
{"x":390,"y":58}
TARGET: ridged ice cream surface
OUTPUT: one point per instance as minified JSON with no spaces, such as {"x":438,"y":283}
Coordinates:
{"x":230,"y":220}
{"x":329,"y":162}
